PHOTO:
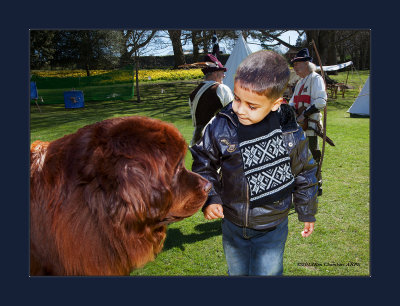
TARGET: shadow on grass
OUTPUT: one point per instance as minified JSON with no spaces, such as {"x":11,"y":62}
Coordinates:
{"x":167,"y":102}
{"x":175,"y":238}
{"x":339,"y":104}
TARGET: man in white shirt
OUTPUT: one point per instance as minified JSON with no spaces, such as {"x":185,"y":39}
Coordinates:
{"x":209,"y":96}
{"x":309,"y":97}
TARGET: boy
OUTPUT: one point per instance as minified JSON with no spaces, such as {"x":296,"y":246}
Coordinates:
{"x":256,"y":156}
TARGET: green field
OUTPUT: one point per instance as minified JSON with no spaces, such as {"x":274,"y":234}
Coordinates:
{"x":340,"y":245}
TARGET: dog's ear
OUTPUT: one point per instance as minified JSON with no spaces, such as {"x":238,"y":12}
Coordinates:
{"x":145,"y":187}
{"x":133,"y":192}
{"x":133,"y":166}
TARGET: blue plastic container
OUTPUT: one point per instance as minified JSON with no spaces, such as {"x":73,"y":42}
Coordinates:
{"x":34,"y":92}
{"x":74,"y":99}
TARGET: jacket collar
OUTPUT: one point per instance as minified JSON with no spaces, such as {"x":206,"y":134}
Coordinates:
{"x":287,"y":117}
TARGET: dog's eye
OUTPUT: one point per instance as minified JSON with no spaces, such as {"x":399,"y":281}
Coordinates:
{"x":179,"y":167}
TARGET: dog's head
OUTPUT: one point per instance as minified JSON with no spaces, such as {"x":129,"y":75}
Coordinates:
{"x":134,"y":168}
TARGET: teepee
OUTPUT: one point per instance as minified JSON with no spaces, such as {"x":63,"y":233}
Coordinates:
{"x":360,"y":107}
{"x":240,"y":51}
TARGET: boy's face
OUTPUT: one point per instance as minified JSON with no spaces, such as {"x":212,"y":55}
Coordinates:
{"x":251,"y":107}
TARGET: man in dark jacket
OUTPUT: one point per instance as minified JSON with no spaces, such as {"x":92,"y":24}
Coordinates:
{"x":256,"y":157}
{"x":209,"y":96}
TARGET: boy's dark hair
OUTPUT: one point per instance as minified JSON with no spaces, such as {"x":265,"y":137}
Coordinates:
{"x":265,"y":73}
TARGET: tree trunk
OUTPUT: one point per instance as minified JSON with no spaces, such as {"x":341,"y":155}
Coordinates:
{"x":368,"y":54}
{"x":195,"y":43}
{"x":87,"y":70}
{"x":362,"y":55}
{"x":137,"y":76}
{"x":321,"y":39}
{"x":354,"y":59}
{"x":179,"y":58}
{"x":365,"y":53}
{"x":312,"y":35}
{"x":342,"y":54}
{"x":323,"y":46}
{"x":332,"y":54}
{"x":205,"y":39}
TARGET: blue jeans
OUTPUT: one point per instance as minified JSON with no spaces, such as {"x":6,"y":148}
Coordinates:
{"x":254,"y":252}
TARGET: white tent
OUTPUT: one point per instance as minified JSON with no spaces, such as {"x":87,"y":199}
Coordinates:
{"x":335,"y":67}
{"x":360,"y":107}
{"x":240,"y":51}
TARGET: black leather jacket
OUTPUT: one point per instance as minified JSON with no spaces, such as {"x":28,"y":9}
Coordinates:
{"x":217,"y":158}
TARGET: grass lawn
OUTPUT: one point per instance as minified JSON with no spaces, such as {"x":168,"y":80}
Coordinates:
{"x":340,"y":245}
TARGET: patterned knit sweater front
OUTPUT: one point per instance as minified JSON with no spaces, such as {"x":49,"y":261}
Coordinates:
{"x":265,"y":160}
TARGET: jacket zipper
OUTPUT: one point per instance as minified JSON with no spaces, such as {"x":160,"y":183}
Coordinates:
{"x":246,"y":221}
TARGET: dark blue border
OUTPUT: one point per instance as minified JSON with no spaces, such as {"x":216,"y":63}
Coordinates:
{"x":15,"y":150}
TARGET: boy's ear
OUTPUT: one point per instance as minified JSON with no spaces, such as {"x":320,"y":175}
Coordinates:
{"x":276,"y":104}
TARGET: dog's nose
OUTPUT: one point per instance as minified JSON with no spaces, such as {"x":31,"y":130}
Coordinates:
{"x":207,"y":187}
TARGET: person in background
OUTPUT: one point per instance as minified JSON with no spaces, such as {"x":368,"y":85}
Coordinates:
{"x":209,"y":96}
{"x":309,"y":98}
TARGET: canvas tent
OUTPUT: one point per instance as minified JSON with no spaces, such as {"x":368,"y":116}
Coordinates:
{"x":360,"y":107}
{"x":335,"y":67}
{"x":240,"y":51}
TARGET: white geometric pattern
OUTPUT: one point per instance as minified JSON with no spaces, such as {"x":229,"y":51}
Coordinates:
{"x":266,"y":165}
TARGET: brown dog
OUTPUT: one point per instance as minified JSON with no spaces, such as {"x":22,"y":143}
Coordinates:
{"x":101,"y":198}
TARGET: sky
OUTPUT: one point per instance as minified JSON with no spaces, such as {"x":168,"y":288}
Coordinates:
{"x":290,"y":36}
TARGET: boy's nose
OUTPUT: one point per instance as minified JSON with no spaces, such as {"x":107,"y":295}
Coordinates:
{"x":241,"y":109}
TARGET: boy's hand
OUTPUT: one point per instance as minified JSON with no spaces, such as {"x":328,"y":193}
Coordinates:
{"x":308,"y":229}
{"x":213,"y":211}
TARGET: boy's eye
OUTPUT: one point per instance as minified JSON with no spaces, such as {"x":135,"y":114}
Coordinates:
{"x":252,"y":107}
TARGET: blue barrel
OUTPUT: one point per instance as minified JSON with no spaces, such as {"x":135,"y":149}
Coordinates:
{"x":34,"y":92}
{"x":73,"y":99}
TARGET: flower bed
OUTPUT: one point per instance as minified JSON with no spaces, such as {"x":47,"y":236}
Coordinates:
{"x":121,"y":76}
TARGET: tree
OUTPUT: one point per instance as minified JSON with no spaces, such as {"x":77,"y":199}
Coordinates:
{"x":200,"y":40}
{"x":203,"y":39}
{"x":195,"y":43}
{"x":331,"y":44}
{"x":299,"y":41}
{"x":325,"y":43}
{"x":42,"y":48}
{"x":84,"y":49}
{"x":179,"y":57}
{"x":355,"y":46}
{"x":270,"y":39}
{"x":89,"y":46}
{"x":133,"y":43}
